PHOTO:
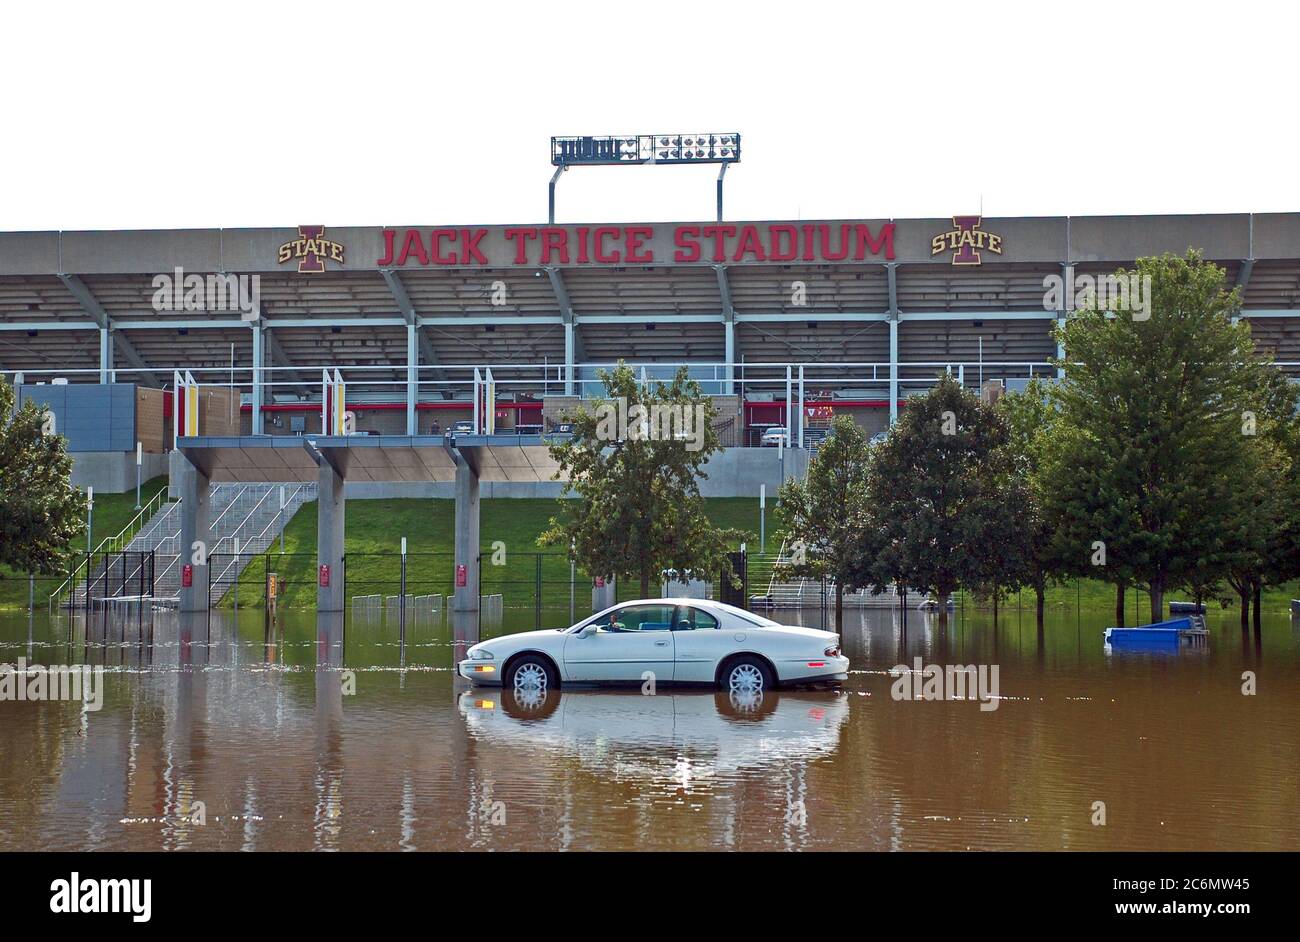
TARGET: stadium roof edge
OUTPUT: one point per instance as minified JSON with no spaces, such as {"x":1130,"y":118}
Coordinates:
{"x":734,"y":244}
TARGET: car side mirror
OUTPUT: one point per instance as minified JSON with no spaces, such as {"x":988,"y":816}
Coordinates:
{"x":587,"y":631}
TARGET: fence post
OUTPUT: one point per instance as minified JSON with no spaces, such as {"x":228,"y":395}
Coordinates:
{"x":537,"y":596}
{"x":401,"y":597}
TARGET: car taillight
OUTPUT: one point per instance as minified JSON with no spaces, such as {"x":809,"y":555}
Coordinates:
{"x":832,"y":651}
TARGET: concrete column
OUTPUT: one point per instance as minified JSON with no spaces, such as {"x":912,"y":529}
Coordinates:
{"x":467,"y":486}
{"x":893,"y":370}
{"x":412,"y":376}
{"x":196,"y":521}
{"x":329,"y":538}
{"x":729,"y":348}
{"x":603,"y":597}
{"x":105,"y":355}
{"x":1060,"y":349}
{"x":570,"y":355}
{"x":1067,"y":279}
{"x":259,"y":356}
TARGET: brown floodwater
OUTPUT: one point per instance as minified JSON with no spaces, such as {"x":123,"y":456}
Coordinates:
{"x":259,"y":728}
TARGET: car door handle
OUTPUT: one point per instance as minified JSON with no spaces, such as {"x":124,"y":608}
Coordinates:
{"x":661,"y":644}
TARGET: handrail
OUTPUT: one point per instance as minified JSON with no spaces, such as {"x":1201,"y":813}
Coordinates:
{"x":226,"y":509}
{"x":232,"y":536}
{"x":109,"y":544}
{"x":288,"y":503}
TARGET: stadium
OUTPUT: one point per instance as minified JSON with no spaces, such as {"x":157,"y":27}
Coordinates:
{"x":785,"y":323}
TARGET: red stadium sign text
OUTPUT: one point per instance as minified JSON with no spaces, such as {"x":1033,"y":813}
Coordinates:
{"x":703,"y":243}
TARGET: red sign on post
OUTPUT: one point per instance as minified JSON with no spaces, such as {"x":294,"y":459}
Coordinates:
{"x":324,"y":576}
{"x":187,"y":576}
{"x":600,"y":582}
{"x":462,"y":576}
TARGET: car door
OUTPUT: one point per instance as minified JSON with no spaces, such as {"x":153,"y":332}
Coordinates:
{"x":699,"y":643}
{"x":626,"y":644}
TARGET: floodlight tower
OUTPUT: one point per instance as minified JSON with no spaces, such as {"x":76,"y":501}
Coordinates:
{"x":614,"y":151}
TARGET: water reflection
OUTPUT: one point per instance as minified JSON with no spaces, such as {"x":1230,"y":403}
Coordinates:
{"x":325,"y":733}
{"x":694,"y":734}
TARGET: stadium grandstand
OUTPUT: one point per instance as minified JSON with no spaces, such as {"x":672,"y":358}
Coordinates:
{"x":786,"y":323}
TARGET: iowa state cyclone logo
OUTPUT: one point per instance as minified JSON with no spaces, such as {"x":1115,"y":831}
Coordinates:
{"x":965,"y":240}
{"x":311,"y":249}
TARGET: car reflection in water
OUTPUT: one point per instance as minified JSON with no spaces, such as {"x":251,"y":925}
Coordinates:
{"x":678,"y":734}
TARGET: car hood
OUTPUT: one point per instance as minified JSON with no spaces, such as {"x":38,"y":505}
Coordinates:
{"x":522,"y":639}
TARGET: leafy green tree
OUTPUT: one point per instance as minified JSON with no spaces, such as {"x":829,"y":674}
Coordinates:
{"x":825,"y":514}
{"x":1261,"y":518}
{"x":635,"y":461}
{"x":941,"y":491}
{"x":40,"y":513}
{"x":1048,"y":551}
{"x":1151,"y":413}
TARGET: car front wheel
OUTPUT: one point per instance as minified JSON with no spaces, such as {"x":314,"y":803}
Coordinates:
{"x":747,"y":675}
{"x":531,"y":672}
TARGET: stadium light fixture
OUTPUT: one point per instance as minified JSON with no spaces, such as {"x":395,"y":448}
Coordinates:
{"x":641,"y":149}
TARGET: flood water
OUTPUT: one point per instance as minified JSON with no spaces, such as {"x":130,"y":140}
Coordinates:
{"x":257,"y":727}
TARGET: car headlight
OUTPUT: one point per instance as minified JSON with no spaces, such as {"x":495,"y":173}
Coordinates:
{"x":481,"y":655}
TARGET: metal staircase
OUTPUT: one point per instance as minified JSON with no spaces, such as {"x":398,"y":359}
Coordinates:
{"x":245,"y":518}
{"x":803,"y":592}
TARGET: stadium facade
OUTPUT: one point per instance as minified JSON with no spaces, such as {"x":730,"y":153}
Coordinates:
{"x":786,"y":323}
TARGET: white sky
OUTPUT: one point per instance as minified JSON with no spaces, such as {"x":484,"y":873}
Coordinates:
{"x":266,"y":113}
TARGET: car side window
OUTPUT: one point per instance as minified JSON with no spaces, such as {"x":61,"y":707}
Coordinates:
{"x":639,"y":618}
{"x":692,"y":619}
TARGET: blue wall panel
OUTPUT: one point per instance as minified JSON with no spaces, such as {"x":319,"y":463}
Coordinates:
{"x":93,"y":417}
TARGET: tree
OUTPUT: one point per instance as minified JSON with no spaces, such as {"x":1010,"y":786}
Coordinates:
{"x":1030,"y":419}
{"x":1261,"y":538}
{"x":825,"y":515}
{"x":1152,"y":411}
{"x":635,"y":462}
{"x":40,"y":513}
{"x":941,"y":493}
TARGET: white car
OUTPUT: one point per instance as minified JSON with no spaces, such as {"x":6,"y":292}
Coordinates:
{"x":775,"y":437}
{"x":677,"y":641}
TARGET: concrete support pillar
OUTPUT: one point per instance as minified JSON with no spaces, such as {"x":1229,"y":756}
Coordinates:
{"x":330,"y":505}
{"x":259,"y":358}
{"x":603,"y":597}
{"x":105,"y":355}
{"x":729,"y":346}
{"x":412,"y":376}
{"x":1067,"y":279}
{"x":570,"y":355}
{"x":893,"y":370}
{"x":799,"y":439}
{"x":196,"y":521}
{"x":466,"y":599}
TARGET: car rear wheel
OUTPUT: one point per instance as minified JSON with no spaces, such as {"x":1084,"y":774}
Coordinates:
{"x":747,"y":675}
{"x":531,"y":672}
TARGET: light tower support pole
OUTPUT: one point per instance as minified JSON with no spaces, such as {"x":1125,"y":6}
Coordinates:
{"x":550,"y":211}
